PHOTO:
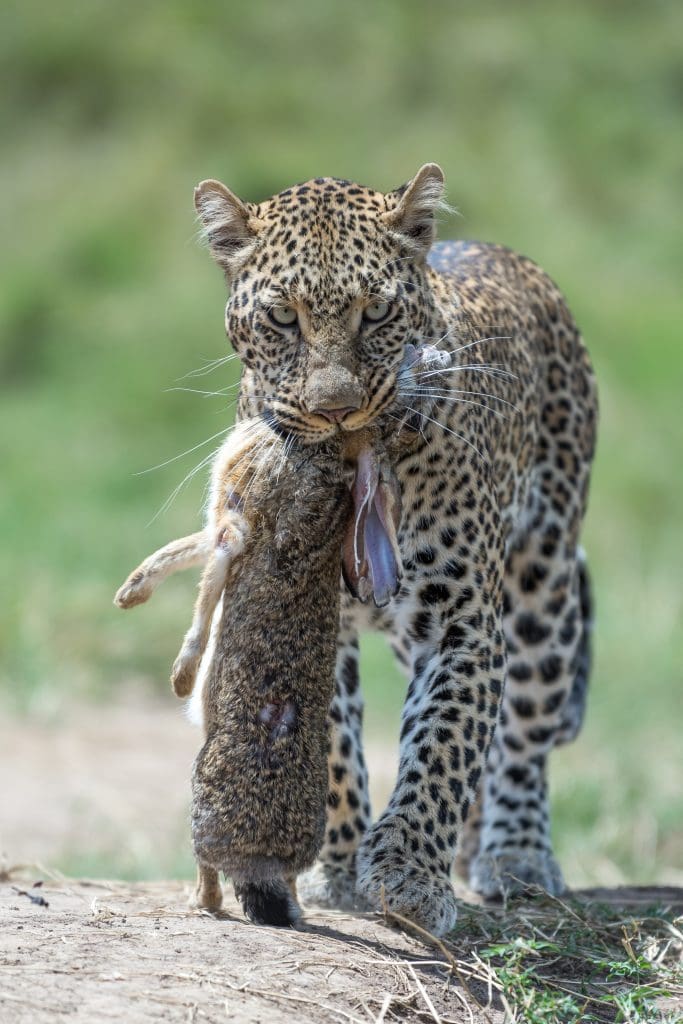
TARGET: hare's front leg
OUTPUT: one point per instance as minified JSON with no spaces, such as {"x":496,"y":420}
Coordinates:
{"x":179,"y":554}
{"x":232,"y":532}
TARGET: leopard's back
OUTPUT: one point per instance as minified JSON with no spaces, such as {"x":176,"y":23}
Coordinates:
{"x":522,"y":386}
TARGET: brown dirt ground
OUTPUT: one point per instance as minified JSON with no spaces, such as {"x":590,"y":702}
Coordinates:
{"x":135,"y":953}
{"x":114,"y":781}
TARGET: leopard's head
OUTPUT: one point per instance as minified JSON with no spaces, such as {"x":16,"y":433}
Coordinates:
{"x":327,"y":287}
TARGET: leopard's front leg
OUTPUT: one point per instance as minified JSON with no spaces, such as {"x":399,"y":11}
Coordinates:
{"x":455,"y":622}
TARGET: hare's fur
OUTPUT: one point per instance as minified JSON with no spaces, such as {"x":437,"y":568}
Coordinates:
{"x":268,"y":606}
{"x":260,"y":780}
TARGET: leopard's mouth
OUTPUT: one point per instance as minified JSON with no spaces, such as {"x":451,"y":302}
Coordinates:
{"x":311,"y":427}
{"x":289,"y":422}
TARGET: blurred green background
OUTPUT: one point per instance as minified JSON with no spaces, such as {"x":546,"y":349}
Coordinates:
{"x":559,"y":129}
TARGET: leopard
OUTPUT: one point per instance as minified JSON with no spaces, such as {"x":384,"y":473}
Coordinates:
{"x":329,"y":283}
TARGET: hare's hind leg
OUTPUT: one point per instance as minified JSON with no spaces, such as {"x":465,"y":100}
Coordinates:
{"x":231,"y":535}
{"x":208,"y":895}
{"x":179,"y":554}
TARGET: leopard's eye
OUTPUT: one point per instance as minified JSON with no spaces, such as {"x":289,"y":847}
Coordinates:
{"x":283,"y":316}
{"x":376,"y":311}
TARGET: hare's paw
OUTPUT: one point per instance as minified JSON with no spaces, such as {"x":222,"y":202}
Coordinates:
{"x":512,"y":872}
{"x":389,"y":877}
{"x":185,"y":668}
{"x":136,"y":590}
{"x":330,"y":886}
{"x":208,"y":894}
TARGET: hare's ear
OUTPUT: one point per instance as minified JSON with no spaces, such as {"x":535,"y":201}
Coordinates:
{"x":230,"y":226}
{"x":412,"y":209}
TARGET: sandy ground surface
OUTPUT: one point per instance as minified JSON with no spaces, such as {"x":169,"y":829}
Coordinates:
{"x":110,"y":951}
{"x":134,"y":952}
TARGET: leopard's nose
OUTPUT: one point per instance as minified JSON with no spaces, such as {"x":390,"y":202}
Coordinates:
{"x":335,"y":415}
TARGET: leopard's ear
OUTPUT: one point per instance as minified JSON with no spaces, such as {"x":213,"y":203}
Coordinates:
{"x":412,"y":208}
{"x":230,"y":227}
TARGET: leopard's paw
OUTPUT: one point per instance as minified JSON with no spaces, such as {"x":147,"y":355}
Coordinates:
{"x":330,"y":886}
{"x":391,"y":877}
{"x":513,"y":872}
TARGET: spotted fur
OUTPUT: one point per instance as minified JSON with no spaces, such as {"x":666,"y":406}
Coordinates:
{"x":491,"y":622}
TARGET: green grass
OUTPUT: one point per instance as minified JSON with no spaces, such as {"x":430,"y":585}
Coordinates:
{"x":543,"y":960}
{"x":555,"y":961}
{"x":559,"y":131}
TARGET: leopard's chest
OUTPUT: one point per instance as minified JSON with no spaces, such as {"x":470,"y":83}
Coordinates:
{"x":456,"y":503}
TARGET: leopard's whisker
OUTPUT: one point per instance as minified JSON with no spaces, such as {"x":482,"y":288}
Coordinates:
{"x":262,"y":446}
{"x":494,"y":369}
{"x":249,"y":463}
{"x":430,"y":340}
{"x":192,"y":473}
{"x":290,"y":441}
{"x":446,"y":334}
{"x":470,"y":344}
{"x":284,"y":455}
{"x":263,"y":465}
{"x":207,"y":394}
{"x":186,"y":479}
{"x":210,"y":366}
{"x":448,"y":430}
{"x":189,"y":451}
{"x":182,"y":455}
{"x":459,"y":401}
{"x":436,"y":392}
{"x":480,"y":341}
{"x":402,"y":419}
